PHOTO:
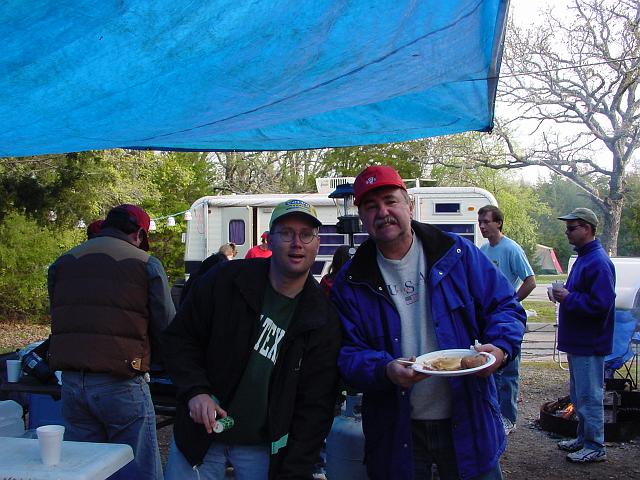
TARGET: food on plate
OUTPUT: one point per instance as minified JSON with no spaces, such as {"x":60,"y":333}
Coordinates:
{"x":444,"y":363}
{"x":473,"y":361}
{"x":450,"y":364}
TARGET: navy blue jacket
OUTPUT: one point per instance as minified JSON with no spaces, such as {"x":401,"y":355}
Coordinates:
{"x":587,"y":313}
{"x":470,"y":299}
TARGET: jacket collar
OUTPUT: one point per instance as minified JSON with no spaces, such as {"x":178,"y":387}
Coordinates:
{"x":588,"y":247}
{"x":434,"y":242}
{"x":115,"y":233}
{"x":312,"y":309}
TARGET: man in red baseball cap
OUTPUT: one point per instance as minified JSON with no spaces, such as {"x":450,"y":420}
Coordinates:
{"x":110,"y":300}
{"x":376,"y":176}
{"x":413,"y":289}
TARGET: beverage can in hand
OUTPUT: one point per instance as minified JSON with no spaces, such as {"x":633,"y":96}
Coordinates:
{"x":223,"y":424}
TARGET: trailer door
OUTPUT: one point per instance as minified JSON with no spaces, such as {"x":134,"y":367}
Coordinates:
{"x":237,"y":225}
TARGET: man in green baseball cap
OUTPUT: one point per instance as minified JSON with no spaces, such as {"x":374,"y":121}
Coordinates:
{"x":294,"y":206}
{"x":256,"y":340}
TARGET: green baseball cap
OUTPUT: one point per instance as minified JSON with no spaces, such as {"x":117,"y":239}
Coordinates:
{"x":581,"y":214}
{"x":294,"y":206}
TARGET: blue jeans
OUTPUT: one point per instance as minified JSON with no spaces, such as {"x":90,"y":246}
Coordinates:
{"x":107,"y":409}
{"x":586,"y":388}
{"x":433,"y":445}
{"x":507,"y":383}
{"x":249,"y":463}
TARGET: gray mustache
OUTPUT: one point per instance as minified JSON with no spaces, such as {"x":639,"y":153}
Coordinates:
{"x":388,"y":220}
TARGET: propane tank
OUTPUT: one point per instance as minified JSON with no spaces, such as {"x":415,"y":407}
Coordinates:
{"x":345,"y":443}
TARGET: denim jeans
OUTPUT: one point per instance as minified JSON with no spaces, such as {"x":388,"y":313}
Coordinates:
{"x":586,"y":388}
{"x":507,"y":383}
{"x":249,"y":463}
{"x":433,"y":445}
{"x":104,"y":408}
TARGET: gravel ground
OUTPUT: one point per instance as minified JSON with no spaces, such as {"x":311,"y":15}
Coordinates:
{"x":532,"y":452}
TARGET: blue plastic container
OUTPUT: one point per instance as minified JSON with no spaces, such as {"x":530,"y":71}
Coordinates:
{"x":345,"y":443}
{"x":44,"y":410}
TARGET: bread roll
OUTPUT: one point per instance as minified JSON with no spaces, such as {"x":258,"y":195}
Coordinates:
{"x":473,"y":361}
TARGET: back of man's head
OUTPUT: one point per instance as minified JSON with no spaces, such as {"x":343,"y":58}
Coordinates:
{"x":129,"y":219}
{"x":94,"y":229}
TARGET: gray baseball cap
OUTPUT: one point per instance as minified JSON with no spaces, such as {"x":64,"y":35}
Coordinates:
{"x":581,"y":214}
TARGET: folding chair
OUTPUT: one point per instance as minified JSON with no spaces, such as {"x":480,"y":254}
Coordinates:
{"x":623,"y":360}
{"x":558,"y":357}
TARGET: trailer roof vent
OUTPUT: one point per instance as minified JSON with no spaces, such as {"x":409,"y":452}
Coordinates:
{"x":328,"y":185}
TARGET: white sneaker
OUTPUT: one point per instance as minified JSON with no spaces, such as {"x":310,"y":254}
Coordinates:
{"x":572,"y":445}
{"x":508,"y":426}
{"x":587,"y":455}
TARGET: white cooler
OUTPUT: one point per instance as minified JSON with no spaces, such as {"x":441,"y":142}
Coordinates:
{"x":11,"y":422}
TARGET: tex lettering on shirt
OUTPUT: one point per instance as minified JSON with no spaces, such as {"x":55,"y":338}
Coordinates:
{"x":269,"y":340}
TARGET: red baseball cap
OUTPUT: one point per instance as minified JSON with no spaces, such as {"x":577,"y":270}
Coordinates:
{"x":94,"y":228}
{"x":140,"y":218}
{"x":375,"y":176}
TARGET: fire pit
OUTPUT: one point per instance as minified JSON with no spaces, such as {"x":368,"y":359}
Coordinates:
{"x":621,"y":416}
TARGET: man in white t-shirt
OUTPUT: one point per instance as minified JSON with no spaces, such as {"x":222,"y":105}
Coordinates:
{"x":511,"y":260}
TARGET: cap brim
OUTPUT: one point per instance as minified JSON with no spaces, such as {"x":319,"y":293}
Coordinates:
{"x":569,"y":217}
{"x":317,"y":222}
{"x":358,"y":201}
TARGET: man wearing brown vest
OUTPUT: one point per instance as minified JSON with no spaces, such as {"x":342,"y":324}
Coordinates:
{"x":110,"y":301}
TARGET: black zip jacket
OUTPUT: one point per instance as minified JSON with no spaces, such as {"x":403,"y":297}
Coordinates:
{"x":207,"y":348}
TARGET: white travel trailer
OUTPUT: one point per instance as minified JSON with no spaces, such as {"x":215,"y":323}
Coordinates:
{"x":241,"y":219}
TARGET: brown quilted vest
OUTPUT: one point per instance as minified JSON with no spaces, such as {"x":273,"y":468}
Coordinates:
{"x":99,"y":310}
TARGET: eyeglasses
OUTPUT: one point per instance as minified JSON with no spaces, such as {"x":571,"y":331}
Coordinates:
{"x":305,"y":236}
{"x":485,"y":222}
{"x":571,"y":228}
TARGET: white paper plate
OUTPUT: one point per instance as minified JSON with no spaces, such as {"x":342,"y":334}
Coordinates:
{"x":456,"y":352}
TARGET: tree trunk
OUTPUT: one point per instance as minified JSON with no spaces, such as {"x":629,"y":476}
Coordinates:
{"x":611,"y":226}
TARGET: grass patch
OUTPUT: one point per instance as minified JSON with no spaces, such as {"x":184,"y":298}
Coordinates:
{"x":540,"y":279}
{"x":546,"y":311}
{"x":550,"y":365}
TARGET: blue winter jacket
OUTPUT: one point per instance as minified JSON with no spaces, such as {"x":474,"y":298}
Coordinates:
{"x":587,"y":313}
{"x":470,"y":299}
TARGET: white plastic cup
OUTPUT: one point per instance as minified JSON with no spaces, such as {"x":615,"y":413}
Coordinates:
{"x":14,"y":370}
{"x":550,"y":294}
{"x":50,"y":441}
{"x":557,"y":285}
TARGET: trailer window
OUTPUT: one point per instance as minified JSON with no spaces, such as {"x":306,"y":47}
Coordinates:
{"x":317,"y":267}
{"x":466,"y":230}
{"x":236,"y":232}
{"x":447,"y":207}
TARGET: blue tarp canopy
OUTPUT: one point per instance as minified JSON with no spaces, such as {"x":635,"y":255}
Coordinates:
{"x":243,"y":75}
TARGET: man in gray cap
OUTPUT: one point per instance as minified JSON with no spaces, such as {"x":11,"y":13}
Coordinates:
{"x":254,"y":346}
{"x":585,"y":333}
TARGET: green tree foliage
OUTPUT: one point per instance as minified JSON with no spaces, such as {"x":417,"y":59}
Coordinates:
{"x":560,"y":197}
{"x":26,"y":250}
{"x":349,"y":162}
{"x":177,"y":180}
{"x":85,"y":186}
{"x":629,"y":241}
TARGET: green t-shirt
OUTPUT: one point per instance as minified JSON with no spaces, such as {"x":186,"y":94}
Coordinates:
{"x":249,"y":404}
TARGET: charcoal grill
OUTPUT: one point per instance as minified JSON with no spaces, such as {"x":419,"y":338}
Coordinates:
{"x":622,"y":416}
